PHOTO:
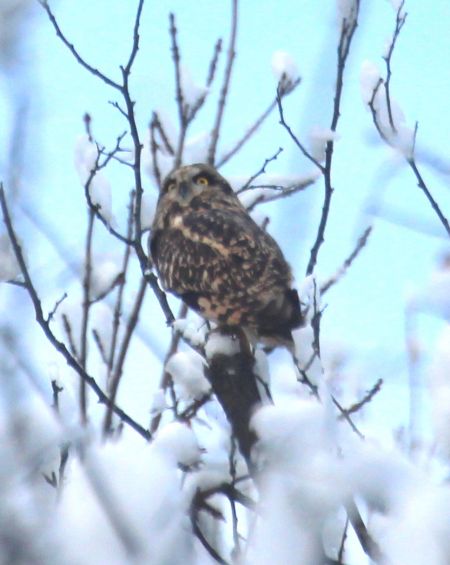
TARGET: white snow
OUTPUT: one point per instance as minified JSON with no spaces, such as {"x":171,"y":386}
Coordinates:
{"x":104,"y":272}
{"x":159,"y":403}
{"x":196,"y":148}
{"x":178,"y":442}
{"x":219,"y":344}
{"x":187,"y":371}
{"x":398,"y":134}
{"x":369,"y":77}
{"x":192,"y":92}
{"x":289,"y":429}
{"x":318,"y":138}
{"x":284,"y":66}
{"x":191,"y":331}
{"x":346,"y":9}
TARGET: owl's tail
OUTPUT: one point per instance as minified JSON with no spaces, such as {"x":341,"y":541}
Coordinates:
{"x":279,"y":317}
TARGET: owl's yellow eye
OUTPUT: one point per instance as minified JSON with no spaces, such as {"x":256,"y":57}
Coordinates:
{"x":171,"y":186}
{"x":202,"y":181}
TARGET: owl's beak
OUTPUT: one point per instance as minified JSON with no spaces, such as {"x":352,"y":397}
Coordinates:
{"x":183,"y":189}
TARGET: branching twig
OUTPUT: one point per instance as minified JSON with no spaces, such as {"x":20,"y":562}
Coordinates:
{"x":260,"y":171}
{"x":347,"y":32}
{"x":225,"y":85}
{"x":55,"y":307}
{"x":292,"y":135}
{"x":410,"y":157}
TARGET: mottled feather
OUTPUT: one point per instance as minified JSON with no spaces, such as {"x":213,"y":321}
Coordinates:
{"x":210,"y":253}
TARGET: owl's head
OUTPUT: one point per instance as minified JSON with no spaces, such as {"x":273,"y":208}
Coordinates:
{"x":185,"y":183}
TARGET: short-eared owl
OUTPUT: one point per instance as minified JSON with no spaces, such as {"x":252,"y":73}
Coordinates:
{"x":210,"y":253}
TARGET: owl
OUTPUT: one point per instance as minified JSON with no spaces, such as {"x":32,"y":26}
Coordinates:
{"x":209,"y":252}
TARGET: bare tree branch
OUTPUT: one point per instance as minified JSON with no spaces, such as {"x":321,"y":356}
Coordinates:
{"x":348,"y":28}
{"x":410,"y":158}
{"x":399,"y":22}
{"x":225,"y":85}
{"x":365,"y":400}
{"x":115,"y":380}
{"x":45,"y":326}
{"x":72,"y":49}
{"x":255,"y":126}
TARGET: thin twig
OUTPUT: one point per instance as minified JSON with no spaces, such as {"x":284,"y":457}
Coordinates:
{"x":191,"y":411}
{"x":399,"y":22}
{"x":409,"y":159}
{"x":346,"y":417}
{"x":225,"y":85}
{"x":119,"y":299}
{"x":368,"y":544}
{"x":365,"y":400}
{"x":115,"y":380}
{"x":128,"y":112}
{"x":361,"y":243}
{"x":86,"y":305}
{"x":179,"y":96}
{"x":343,"y":540}
{"x":283,"y":193}
{"x":135,"y":45}
{"x":292,"y":135}
{"x":166,"y":377}
{"x":421,"y":184}
{"x":101,"y":348}
{"x":55,"y":307}
{"x":209,"y":548}
{"x":260,"y":171}
{"x":232,"y":464}
{"x":56,"y":390}
{"x":304,"y":379}
{"x":68,"y":329}
{"x":247,"y":135}
{"x":72,"y":49}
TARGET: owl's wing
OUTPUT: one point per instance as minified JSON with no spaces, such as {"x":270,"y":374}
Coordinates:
{"x":218,"y":251}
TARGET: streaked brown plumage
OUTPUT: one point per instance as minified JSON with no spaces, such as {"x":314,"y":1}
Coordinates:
{"x":209,"y":252}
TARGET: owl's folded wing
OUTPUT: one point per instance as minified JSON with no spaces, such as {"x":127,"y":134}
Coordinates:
{"x":217,"y":251}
